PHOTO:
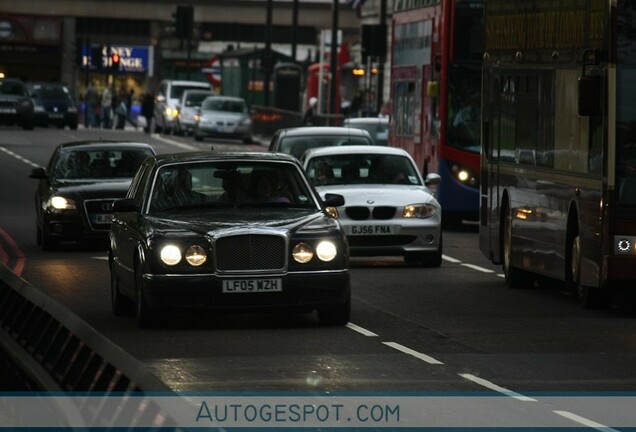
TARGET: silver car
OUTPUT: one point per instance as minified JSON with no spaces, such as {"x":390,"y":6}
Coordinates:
{"x":378,"y":127}
{"x":389,"y":208}
{"x":187,"y":109}
{"x":223,"y":117}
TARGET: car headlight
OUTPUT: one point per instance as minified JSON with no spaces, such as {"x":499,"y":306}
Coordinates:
{"x":170,"y":255}
{"x":195,"y":255}
{"x":302,"y":253}
{"x":26,"y":103}
{"x":172,"y":113}
{"x":61,"y":203}
{"x":326,"y":250}
{"x":38,"y":108}
{"x":421,"y":211}
{"x":246,"y":121}
{"x":333,"y":212}
{"x":72,"y":109}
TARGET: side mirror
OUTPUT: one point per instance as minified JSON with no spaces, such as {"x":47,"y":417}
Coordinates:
{"x":589,"y":95}
{"x":333,"y":200}
{"x":125,"y":205}
{"x":38,"y":173}
{"x":432,"y":89}
{"x":432,"y":179}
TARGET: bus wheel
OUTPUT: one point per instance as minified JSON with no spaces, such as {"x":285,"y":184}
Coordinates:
{"x":590,"y":297}
{"x":514,"y":278}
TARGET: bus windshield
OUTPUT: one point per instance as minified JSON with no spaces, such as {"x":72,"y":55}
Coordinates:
{"x":464,"y":120}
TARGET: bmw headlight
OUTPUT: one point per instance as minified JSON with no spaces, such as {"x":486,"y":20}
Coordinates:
{"x":195,"y":255}
{"x":60,"y":203}
{"x":302,"y":253}
{"x":326,"y":250}
{"x":422,"y":211}
{"x":170,"y":255}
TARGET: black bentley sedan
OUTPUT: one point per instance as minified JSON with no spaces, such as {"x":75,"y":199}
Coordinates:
{"x":75,"y":193}
{"x":227,"y":231}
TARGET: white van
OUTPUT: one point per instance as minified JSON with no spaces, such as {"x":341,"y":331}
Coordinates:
{"x":166,"y":101}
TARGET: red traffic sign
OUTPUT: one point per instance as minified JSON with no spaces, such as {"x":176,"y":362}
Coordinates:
{"x":212,"y":70}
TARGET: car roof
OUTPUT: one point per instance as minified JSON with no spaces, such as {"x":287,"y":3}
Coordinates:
{"x":110,"y":144}
{"x":323,"y":130}
{"x":189,"y":83}
{"x":201,"y":156}
{"x":367,"y":120}
{"x":355,"y":149}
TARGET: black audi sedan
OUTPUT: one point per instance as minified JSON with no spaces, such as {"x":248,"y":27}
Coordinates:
{"x":227,"y":231}
{"x":75,"y":193}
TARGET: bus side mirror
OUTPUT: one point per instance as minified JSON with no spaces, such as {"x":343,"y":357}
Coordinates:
{"x":432,"y":89}
{"x":589,"y":95}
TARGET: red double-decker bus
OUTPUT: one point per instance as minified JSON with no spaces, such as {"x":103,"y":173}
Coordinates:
{"x":436,"y":55}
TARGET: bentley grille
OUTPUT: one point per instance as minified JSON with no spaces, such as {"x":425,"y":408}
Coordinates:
{"x":256,"y":252}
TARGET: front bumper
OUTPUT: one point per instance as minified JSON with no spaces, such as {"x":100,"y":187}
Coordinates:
{"x":302,"y":291}
{"x":387,"y":238}
{"x":214,"y":131}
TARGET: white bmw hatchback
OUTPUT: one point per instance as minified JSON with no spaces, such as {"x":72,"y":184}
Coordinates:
{"x":389,"y":208}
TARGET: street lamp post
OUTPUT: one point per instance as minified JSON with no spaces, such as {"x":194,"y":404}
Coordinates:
{"x":334,"y":58}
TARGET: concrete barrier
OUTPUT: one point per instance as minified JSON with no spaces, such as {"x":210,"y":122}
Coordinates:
{"x":46,"y":347}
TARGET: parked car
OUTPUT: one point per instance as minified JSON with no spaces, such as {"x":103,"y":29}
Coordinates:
{"x":378,"y":127}
{"x":224,"y":117}
{"x":16,"y":107}
{"x":389,"y":208}
{"x":53,"y":104}
{"x":295,"y":141}
{"x":75,"y":193}
{"x":187,"y":109}
{"x":167,"y":98}
{"x":227,"y":231}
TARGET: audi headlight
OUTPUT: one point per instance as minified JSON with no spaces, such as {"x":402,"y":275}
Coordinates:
{"x":72,"y":109}
{"x":170,"y":255}
{"x":625,"y":245}
{"x":326,"y":250}
{"x":302,"y":253}
{"x":61,"y":203}
{"x":195,"y":255}
{"x":422,"y":211}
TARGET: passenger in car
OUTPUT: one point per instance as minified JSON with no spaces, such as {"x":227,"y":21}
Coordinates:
{"x":266,"y":188}
{"x":233,"y":188}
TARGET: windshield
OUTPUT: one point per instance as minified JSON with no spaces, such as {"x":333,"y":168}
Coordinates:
{"x":378,"y":130}
{"x":195,"y":99}
{"x":13,"y":88}
{"x":464,"y":119}
{"x":176,"y":91}
{"x":296,"y":146}
{"x":361,"y":169}
{"x":51,"y":92}
{"x":227,"y":105}
{"x":229,"y":184}
{"x":83,"y":164}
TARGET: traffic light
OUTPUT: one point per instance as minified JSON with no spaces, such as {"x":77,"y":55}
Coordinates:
{"x":184,"y":21}
{"x":115,"y":61}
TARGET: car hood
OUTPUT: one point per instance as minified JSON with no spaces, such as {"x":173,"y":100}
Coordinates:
{"x":209,"y":222}
{"x":390,"y":195}
{"x":94,"y":189}
{"x":50,"y":104}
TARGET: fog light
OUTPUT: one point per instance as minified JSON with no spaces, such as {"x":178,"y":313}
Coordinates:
{"x":195,"y":255}
{"x":302,"y":253}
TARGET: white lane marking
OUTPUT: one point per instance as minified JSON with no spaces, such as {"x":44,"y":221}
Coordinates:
{"x":450,"y":259}
{"x":175,"y":143}
{"x":501,"y":275}
{"x":478,"y":268}
{"x":409,"y":351}
{"x":485,"y":383}
{"x":20,"y":158}
{"x":361,"y":330}
{"x":583,"y":421}
{"x":101,"y":258}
